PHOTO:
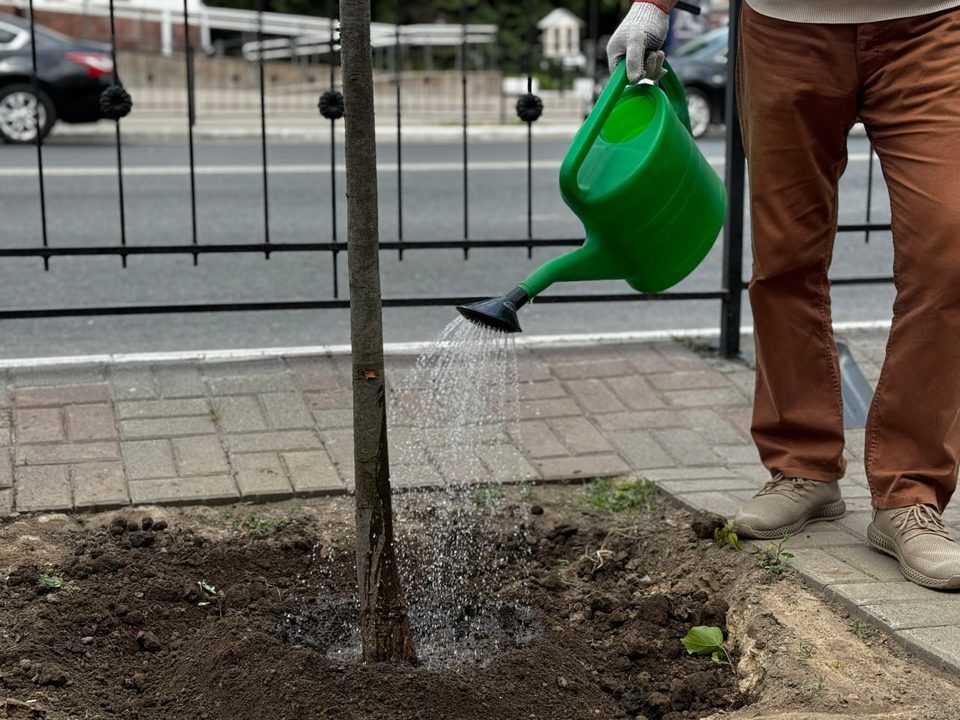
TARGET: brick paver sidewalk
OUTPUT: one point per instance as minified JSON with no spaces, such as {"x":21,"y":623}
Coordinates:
{"x":102,"y":437}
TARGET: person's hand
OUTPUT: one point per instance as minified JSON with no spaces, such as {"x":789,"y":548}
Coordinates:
{"x":639,"y":38}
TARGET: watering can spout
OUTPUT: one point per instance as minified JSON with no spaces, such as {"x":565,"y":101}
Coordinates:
{"x":498,"y":313}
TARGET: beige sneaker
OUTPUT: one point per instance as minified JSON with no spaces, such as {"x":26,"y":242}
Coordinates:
{"x":786,"y":505}
{"x":917,"y":538}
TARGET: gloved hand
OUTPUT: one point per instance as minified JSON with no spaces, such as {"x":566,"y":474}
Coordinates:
{"x":640,"y":37}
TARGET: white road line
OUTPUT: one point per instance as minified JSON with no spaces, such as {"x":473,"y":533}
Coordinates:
{"x":411,"y":348}
{"x":302,"y":168}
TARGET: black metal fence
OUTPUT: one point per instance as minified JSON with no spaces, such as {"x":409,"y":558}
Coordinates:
{"x":528,"y":106}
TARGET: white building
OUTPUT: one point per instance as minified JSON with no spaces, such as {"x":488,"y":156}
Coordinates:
{"x":560,"y":37}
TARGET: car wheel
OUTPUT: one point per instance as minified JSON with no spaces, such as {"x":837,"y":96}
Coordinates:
{"x":20,"y":106}
{"x":698,"y":107}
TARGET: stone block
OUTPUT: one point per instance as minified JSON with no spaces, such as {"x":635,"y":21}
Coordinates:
{"x":200,"y":455}
{"x":238,"y":414}
{"x":584,"y":467}
{"x":276,"y":441}
{"x":180,"y":381}
{"x":688,"y":380}
{"x":90,"y":422}
{"x":145,"y":459}
{"x":580,"y":435}
{"x":260,"y":475}
{"x":133,"y":383}
{"x":312,"y":471}
{"x":58,"y":395}
{"x":44,"y":487}
{"x":907,"y":615}
{"x":599,"y":368}
{"x":251,"y":384}
{"x":635,"y":393}
{"x":638,"y":420}
{"x":208,"y":490}
{"x":60,"y":453}
{"x":286,"y":411}
{"x":167,"y":427}
{"x":709,"y":397}
{"x":98,"y":486}
{"x":594,"y":395}
{"x":33,"y":425}
{"x":641,"y":450}
{"x":687,"y":447}
{"x":541,"y":390}
{"x":162,"y":408}
{"x":533,"y":409}
{"x":537,"y":440}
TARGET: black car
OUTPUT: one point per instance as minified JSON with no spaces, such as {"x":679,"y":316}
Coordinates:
{"x":71,"y":74}
{"x":701,"y":65}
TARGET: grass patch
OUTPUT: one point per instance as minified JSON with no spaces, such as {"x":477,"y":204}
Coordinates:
{"x":258,"y":526}
{"x":617,"y":496}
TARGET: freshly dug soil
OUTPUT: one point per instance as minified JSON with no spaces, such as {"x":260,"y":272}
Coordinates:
{"x":198,"y":613}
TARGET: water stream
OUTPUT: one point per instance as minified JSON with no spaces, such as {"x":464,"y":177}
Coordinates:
{"x":450,"y":422}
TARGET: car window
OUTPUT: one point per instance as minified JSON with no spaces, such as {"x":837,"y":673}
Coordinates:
{"x":706,"y":44}
{"x":7,"y":36}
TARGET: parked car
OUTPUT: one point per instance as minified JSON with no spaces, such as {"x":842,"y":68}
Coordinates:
{"x":701,"y":65}
{"x":70,"y":76}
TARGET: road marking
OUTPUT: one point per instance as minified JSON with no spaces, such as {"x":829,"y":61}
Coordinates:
{"x":410,"y":348}
{"x":303,"y":168}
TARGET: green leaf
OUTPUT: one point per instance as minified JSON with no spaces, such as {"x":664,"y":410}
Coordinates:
{"x":703,"y":640}
{"x":207,"y":587}
{"x":716,"y":658}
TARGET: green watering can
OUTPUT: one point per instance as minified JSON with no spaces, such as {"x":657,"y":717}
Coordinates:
{"x":650,"y":203}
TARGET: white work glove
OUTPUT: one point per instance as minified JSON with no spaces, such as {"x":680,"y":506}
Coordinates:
{"x":639,"y":38}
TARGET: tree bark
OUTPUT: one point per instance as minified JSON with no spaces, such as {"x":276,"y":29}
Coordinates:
{"x":384,"y":626}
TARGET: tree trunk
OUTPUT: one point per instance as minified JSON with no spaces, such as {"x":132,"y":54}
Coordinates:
{"x":384,"y":626}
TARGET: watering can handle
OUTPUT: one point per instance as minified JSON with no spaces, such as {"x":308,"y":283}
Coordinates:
{"x":607,"y":101}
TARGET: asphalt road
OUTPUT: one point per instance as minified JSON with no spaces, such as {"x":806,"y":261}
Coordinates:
{"x":83,"y":209}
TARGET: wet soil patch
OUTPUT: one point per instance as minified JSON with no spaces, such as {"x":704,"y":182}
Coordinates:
{"x":193,"y":615}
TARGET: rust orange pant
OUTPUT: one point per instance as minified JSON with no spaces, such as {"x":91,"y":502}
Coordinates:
{"x":800,"y":89}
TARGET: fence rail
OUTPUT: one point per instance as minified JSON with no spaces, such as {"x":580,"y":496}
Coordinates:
{"x":528,"y":106}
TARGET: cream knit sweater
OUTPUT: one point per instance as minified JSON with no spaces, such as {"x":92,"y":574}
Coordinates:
{"x":847,"y":11}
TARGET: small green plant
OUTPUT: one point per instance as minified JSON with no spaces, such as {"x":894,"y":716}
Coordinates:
{"x":527,"y":493}
{"x":49,"y":581}
{"x":258,"y":526}
{"x":773,"y":559}
{"x":820,"y":686}
{"x":860,"y":629}
{"x":208,"y":593}
{"x":806,"y":651}
{"x":486,"y":495}
{"x":707,"y":640}
{"x":618,"y":496}
{"x":726,"y":537}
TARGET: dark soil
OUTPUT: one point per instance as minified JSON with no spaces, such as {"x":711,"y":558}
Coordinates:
{"x":210,"y":618}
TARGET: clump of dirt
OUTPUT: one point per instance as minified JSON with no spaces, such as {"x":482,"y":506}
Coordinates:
{"x":187,"y":614}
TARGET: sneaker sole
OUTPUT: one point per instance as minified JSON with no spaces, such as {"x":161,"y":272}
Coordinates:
{"x":826,"y":513}
{"x":885,"y":544}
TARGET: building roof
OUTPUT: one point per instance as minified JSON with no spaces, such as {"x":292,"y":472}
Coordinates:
{"x":557,"y":17}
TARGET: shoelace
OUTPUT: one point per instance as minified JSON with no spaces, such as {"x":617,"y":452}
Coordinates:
{"x":920,"y":520}
{"x":793,"y":488}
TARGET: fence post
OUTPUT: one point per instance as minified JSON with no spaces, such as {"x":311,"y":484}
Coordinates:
{"x":733,"y":229}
